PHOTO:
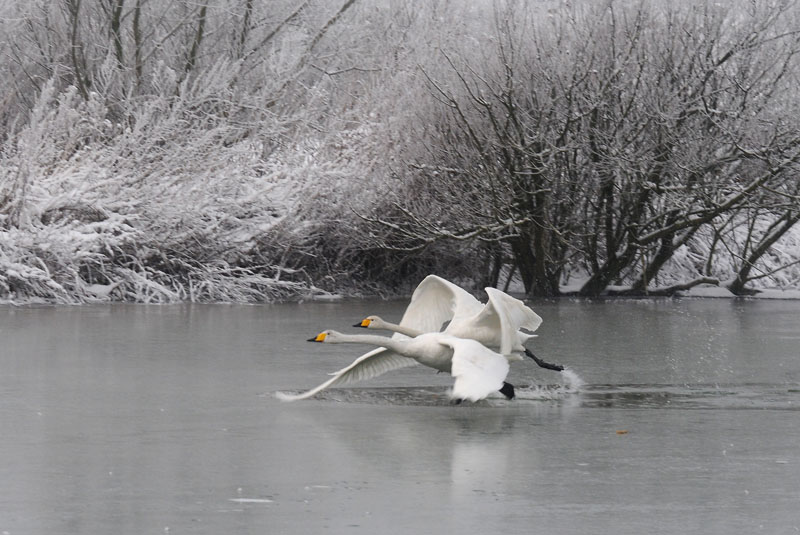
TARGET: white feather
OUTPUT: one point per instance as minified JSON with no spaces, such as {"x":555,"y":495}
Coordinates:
{"x":369,"y":365}
{"x":436,"y":301}
{"x":478,"y":371}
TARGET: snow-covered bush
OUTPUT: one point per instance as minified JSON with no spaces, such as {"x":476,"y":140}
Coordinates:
{"x":173,"y":202}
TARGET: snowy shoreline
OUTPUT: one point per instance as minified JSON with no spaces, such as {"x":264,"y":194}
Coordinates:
{"x":568,"y":293}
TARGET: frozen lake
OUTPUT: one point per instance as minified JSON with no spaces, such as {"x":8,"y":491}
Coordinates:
{"x":127,"y":419}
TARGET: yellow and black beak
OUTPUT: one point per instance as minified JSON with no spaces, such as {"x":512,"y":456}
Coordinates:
{"x":319,"y":338}
{"x":364,"y":323}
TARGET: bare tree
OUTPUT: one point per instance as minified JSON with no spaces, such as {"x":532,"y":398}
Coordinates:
{"x":608,"y":137}
{"x":76,"y":49}
{"x":766,"y":223}
{"x":113,"y":10}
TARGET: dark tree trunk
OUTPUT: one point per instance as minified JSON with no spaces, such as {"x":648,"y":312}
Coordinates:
{"x":609,"y":271}
{"x":523,"y":257}
{"x":778,"y":229}
{"x":538,"y":281}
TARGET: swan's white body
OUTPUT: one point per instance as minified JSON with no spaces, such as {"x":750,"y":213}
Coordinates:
{"x":478,"y":371}
{"x":495,"y":324}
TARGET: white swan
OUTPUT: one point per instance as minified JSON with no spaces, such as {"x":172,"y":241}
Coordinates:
{"x":496,"y":324}
{"x":478,"y":371}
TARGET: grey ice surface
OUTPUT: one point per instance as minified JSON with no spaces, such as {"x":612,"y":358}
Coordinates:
{"x":125,"y":419}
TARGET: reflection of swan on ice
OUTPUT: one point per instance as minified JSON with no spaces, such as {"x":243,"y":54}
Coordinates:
{"x":496,"y":324}
{"x":478,"y":371}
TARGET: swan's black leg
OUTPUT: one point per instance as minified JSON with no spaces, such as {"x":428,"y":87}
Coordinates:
{"x":507,"y":390}
{"x":543,"y":364}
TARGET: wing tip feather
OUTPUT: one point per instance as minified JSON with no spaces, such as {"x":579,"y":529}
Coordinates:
{"x":286,"y":398}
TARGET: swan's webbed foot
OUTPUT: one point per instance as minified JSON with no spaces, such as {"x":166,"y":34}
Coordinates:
{"x":543,"y":364}
{"x":507,"y":390}
{"x":457,"y":401}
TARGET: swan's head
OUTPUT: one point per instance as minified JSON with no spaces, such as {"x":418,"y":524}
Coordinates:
{"x":371,"y":322}
{"x":324,"y":336}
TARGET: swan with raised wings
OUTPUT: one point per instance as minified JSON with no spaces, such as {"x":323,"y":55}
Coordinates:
{"x":498,"y":324}
{"x":478,"y":371}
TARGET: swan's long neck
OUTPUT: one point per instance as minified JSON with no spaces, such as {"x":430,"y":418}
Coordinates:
{"x":370,"y":339}
{"x":396,"y":327}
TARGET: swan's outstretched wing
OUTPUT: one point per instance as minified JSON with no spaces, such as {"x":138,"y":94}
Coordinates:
{"x":506,"y":315}
{"x":437,"y":301}
{"x":372,"y":364}
{"x":478,"y":371}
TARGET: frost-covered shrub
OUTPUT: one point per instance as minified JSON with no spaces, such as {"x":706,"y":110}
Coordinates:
{"x":173,"y":202}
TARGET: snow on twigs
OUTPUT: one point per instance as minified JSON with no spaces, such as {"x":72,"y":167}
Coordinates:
{"x":246,"y":152}
{"x":157,"y":212}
